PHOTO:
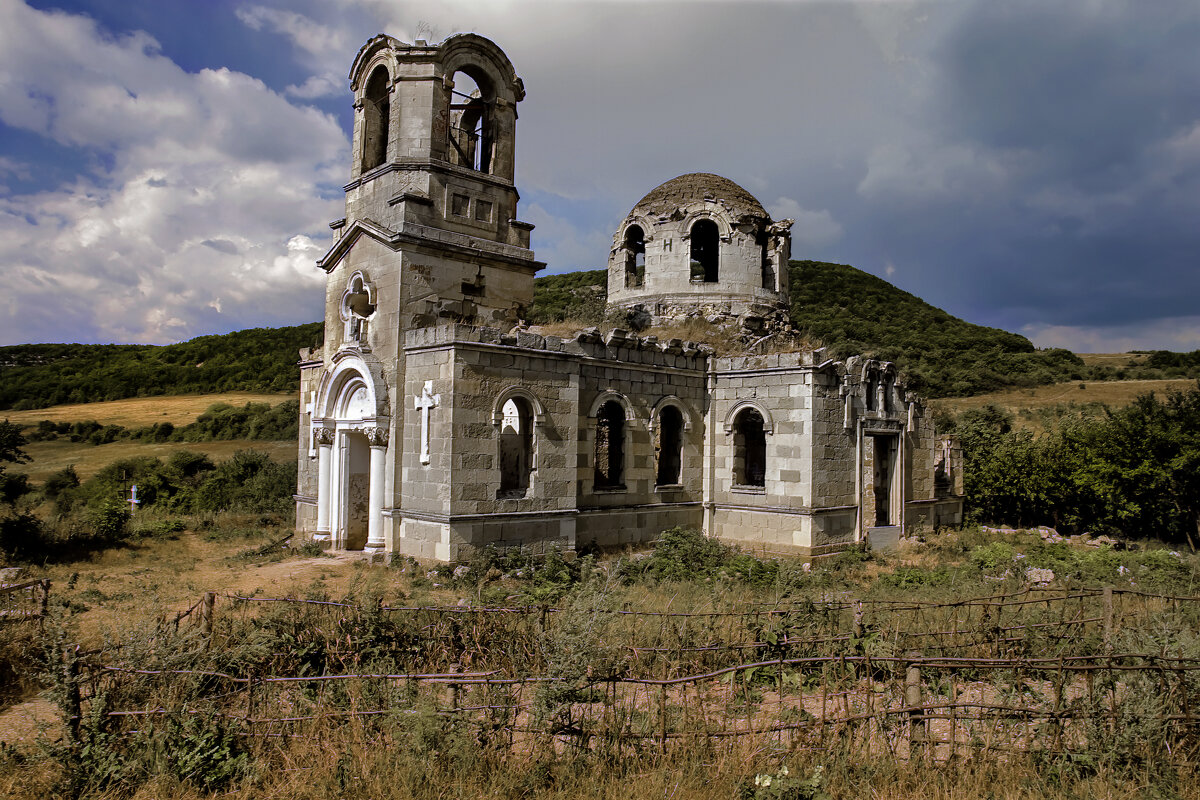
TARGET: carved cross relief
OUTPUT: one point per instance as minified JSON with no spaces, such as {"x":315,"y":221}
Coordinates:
{"x":426,"y":402}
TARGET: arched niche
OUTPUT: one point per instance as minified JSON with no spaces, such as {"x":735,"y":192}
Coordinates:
{"x":356,"y":307}
{"x":670,"y":401}
{"x":538,"y":410}
{"x":634,"y":256}
{"x":351,"y":369}
{"x":607,"y":396}
{"x":704,"y":251}
{"x":749,"y":448}
{"x":486,"y":114}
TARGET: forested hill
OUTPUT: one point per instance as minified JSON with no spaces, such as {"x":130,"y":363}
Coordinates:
{"x":846,"y":308}
{"x":257,"y":360}
{"x":852,"y":312}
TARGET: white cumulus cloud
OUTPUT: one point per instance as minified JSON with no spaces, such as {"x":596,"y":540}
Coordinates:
{"x":203,"y":216}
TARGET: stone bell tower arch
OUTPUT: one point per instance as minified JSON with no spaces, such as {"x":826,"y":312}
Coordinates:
{"x":434,"y":156}
{"x":430,"y":236}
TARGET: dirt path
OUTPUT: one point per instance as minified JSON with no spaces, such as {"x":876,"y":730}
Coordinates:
{"x":23,"y":724}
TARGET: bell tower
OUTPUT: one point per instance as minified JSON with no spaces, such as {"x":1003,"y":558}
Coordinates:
{"x":430,"y":237}
{"x":432,"y":178}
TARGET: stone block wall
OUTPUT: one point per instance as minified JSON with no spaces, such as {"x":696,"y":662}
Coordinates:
{"x":781,"y":386}
{"x":632,"y":525}
{"x":425,"y":487}
{"x":483,"y":375}
{"x":776,"y":517}
{"x":473,"y":369}
{"x":835,"y":450}
{"x":306,"y":479}
{"x":451,"y":506}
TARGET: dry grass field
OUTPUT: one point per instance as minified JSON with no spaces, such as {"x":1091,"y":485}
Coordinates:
{"x":421,"y":750}
{"x":49,"y":457}
{"x":1111,"y":393}
{"x":140,"y":411}
{"x":121,"y":586}
{"x":1116,"y":360}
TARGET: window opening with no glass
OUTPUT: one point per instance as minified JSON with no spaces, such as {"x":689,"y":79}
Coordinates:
{"x":705,"y":256}
{"x":610,"y":446}
{"x":516,"y":449}
{"x":749,"y":449}
{"x":376,"y":119}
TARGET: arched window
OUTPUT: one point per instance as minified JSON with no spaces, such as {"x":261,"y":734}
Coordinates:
{"x":749,"y":449}
{"x":669,"y":444}
{"x":889,"y":383}
{"x":376,"y":118}
{"x":470,"y":130}
{"x":706,"y":243}
{"x":635,"y":257}
{"x":610,"y":446}
{"x":872,"y":391}
{"x":516,"y":448}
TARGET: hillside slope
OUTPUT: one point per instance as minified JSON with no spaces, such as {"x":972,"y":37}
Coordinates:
{"x":847,"y":309}
{"x":570,"y":295}
{"x":852,"y":312}
{"x":254,"y":360}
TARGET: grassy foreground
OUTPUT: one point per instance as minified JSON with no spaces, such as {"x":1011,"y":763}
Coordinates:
{"x":117,"y":601}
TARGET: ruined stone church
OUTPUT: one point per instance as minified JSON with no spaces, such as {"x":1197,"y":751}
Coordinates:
{"x":431,"y":427}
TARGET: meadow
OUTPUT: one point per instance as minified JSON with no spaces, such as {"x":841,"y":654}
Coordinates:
{"x":135,"y":412}
{"x":686,"y":670}
{"x":49,"y":457}
{"x":1024,"y":404}
{"x":194,"y":654}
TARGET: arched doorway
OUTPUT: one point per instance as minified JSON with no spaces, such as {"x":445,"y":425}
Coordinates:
{"x":353,"y":485}
{"x":355,"y":490}
{"x":352,"y":459}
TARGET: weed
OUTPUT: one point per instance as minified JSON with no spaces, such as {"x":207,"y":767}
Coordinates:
{"x":782,"y":785}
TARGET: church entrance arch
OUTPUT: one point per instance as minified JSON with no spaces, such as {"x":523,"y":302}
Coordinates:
{"x":354,"y":465}
{"x":352,"y":460}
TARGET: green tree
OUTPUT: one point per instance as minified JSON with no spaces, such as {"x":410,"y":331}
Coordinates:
{"x":19,"y":529}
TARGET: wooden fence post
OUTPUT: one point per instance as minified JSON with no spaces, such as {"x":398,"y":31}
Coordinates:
{"x":1108,"y":618}
{"x":250,"y":701}
{"x":72,"y":703}
{"x":45,"y":602}
{"x":453,"y":688}
{"x":206,"y":614}
{"x":913,"y":700}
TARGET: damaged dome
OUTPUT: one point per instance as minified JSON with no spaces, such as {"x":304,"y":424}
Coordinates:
{"x":698,"y":187}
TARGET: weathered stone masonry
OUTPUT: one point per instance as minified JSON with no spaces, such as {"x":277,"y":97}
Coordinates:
{"x":430,"y":431}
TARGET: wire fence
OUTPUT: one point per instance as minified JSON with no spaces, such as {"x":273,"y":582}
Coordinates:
{"x":24,"y":601}
{"x":1035,"y":670}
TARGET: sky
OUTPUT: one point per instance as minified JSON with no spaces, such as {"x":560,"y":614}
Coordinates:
{"x":168,"y":169}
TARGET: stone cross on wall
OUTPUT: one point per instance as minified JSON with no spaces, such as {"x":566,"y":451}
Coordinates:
{"x":426,"y":402}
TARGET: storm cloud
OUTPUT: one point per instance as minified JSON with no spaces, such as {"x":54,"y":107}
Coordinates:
{"x":1027,"y":165}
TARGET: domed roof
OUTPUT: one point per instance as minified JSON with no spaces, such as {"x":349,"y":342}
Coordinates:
{"x":699,"y":186}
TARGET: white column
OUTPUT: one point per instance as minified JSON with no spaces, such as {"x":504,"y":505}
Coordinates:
{"x":379,"y":440}
{"x":324,"y":440}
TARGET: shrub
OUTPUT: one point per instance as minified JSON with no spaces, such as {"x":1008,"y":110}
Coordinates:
{"x":110,"y":520}
{"x":680,"y":554}
{"x":65,"y":480}
{"x":994,"y":558}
